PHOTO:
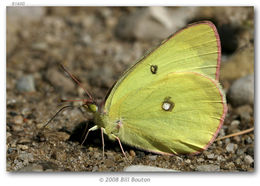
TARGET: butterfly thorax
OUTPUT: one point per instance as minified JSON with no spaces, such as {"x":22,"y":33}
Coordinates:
{"x":111,"y":129}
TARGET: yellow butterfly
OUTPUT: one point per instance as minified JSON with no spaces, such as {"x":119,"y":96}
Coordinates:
{"x":170,"y":101}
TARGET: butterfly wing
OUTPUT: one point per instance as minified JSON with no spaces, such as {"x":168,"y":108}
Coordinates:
{"x":189,"y":124}
{"x":179,"y":75}
{"x":195,"y":48}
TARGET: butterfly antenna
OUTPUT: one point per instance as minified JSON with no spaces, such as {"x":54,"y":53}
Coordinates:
{"x":76,"y":81}
{"x":76,"y":100}
{"x":63,"y":108}
{"x":85,"y":138}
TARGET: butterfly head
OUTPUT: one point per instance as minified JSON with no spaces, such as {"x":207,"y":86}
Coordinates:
{"x":91,"y":106}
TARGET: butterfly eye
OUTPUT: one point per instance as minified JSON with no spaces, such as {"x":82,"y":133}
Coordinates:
{"x":167,"y":105}
{"x":154,"y":69}
{"x":92,"y":108}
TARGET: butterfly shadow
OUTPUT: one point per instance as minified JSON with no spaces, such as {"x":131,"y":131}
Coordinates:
{"x":94,"y":139}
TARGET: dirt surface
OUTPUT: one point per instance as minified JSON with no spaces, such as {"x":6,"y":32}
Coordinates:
{"x":89,"y":42}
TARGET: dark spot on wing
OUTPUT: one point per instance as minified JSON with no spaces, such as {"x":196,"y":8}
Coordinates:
{"x":154,"y":69}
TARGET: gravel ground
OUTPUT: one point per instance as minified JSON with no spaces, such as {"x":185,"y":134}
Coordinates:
{"x":97,"y":45}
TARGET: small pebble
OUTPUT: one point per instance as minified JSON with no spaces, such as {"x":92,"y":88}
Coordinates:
{"x":244,"y":109}
{"x":222,"y":132}
{"x":234,"y":126}
{"x":210,"y":156}
{"x":220,"y":158}
{"x":23,"y":147}
{"x":199,"y":160}
{"x":25,"y":84}
{"x":109,"y":163}
{"x":227,"y":141}
{"x":62,"y":136}
{"x":231,"y":147}
{"x":245,"y":117}
{"x":39,"y":46}
{"x":18,"y":120}
{"x":241,"y":91}
{"x":24,"y":141}
{"x":241,"y":151}
{"x":40,"y":125}
{"x":248,"y":159}
{"x":245,"y":112}
{"x":95,"y":169}
{"x":86,"y":39}
{"x":248,"y":140}
{"x":250,"y":151}
{"x":90,"y":149}
{"x":238,"y":161}
{"x":132,"y":153}
{"x":17,"y":128}
{"x":110,"y":155}
{"x":11,"y":103}
{"x":26,"y":157}
{"x":152,"y":157}
{"x":192,"y":167}
{"x":237,"y":139}
{"x":143,"y":168}
{"x":61,"y":156}
{"x":96,"y":156}
{"x":26,"y":111}
{"x":208,"y":168}
{"x":140,"y":154}
{"x":220,"y":143}
{"x":179,"y":159}
{"x":10,"y":150}
{"x":18,"y":164}
{"x":229,"y":165}
{"x":8,"y":134}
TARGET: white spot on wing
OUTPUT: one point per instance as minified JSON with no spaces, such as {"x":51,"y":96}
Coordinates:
{"x":166,"y":106}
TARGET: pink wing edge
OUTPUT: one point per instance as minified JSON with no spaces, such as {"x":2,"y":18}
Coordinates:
{"x":218,"y":45}
{"x":217,"y":78}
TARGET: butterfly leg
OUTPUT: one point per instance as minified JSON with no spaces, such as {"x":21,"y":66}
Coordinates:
{"x":91,"y":129}
{"x":103,"y":143}
{"x":117,"y":138}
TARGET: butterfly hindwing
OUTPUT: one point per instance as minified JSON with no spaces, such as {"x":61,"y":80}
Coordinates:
{"x":186,"y":125}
